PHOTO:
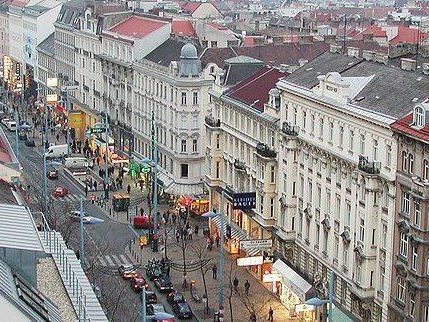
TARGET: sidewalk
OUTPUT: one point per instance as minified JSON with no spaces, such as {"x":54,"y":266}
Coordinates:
{"x":259,"y":299}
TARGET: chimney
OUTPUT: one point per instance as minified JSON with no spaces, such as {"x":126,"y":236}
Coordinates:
{"x":408,"y":64}
{"x":353,"y":52}
{"x":368,"y":55}
{"x":334,"y":48}
{"x":381,"y":58}
{"x":425,"y":67}
{"x":302,"y":62}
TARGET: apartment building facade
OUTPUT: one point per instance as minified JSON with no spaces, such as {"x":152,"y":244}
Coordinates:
{"x":409,"y":300}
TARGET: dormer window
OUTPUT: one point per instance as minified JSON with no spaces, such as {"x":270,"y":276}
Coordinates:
{"x":419,"y":117}
{"x":275,"y":98}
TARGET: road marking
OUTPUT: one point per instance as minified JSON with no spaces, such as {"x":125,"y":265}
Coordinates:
{"x":103,"y":263}
{"x":133,"y":230}
{"x":124,"y":259}
{"x":109,"y":260}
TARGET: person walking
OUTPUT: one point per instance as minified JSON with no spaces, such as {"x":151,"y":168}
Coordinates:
{"x":189,"y":233}
{"x":217,"y":241}
{"x":95,"y":185}
{"x":235,"y":284}
{"x":214,"y":271}
{"x":128,"y":189}
{"x":271,"y":314}
{"x":246,"y":287}
{"x":253,"y":317}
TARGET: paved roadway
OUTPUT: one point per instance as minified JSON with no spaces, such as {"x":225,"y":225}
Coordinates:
{"x":104,"y":242}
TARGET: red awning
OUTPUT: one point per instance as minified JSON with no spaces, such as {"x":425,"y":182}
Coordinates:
{"x":60,"y":109}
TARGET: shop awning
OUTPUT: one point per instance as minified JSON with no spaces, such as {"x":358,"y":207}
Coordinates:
{"x":235,"y":232}
{"x":293,"y":280}
{"x":185,"y":189}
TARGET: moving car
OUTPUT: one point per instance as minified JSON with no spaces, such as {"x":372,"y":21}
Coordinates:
{"x":60,"y":192}
{"x":152,"y":309}
{"x":56,"y":151}
{"x":182,"y":310}
{"x":164,"y":284}
{"x":76,"y":163}
{"x":154,"y":273}
{"x":52,"y":173}
{"x":30,"y":143}
{"x":127,"y":271}
{"x":175,"y":297}
{"x":151,"y":297}
{"x":138,"y":283}
{"x":142,"y":222}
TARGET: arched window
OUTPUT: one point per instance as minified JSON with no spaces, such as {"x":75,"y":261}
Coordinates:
{"x":410,"y":163}
{"x":419,"y":117}
{"x":404,"y":161}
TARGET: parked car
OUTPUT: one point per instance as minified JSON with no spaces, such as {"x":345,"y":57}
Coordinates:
{"x":126,"y":269}
{"x":52,"y":173}
{"x":164,"y":284}
{"x":182,"y":310}
{"x":154,"y":272}
{"x":60,"y":192}
{"x":151,"y":297}
{"x":138,"y":283}
{"x":175,"y":297}
{"x":30,"y":143}
{"x":152,"y":309}
{"x":22,"y":136}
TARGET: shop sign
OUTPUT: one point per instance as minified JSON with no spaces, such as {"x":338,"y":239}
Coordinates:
{"x":145,"y":169}
{"x":256,"y":243}
{"x":244,"y":201}
{"x":250,"y":261}
{"x":51,"y":98}
{"x":267,"y":278}
{"x":96,"y":130}
{"x":303,"y":308}
{"x":52,"y":82}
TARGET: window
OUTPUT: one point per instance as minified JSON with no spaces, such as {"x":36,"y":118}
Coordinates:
{"x":351,"y":140}
{"x":362,"y":144}
{"x":345,"y":256}
{"x":318,"y":196}
{"x":217,"y":169}
{"x":388,"y":155}
{"x":304,"y":119}
{"x":312,"y":124}
{"x":184,"y":170}
{"x":261,"y":204}
{"x":331,"y":131}
{"x":195,"y":98}
{"x":337,"y":246}
{"x":321,"y":128}
{"x":325,"y":241}
{"x":410,"y":163}
{"x":183,"y":146}
{"x":404,"y":161}
{"x":183,"y":98}
{"x":375,"y":150}
{"x":359,"y":273}
{"x":426,"y":314}
{"x":401,"y":289}
{"x":405,"y":202}
{"x":384,"y":235}
{"x":217,"y":141}
{"x":417,"y":213}
{"x":194,"y":145}
{"x":425,"y":170}
{"x":361,"y":229}
{"x":412,"y":305}
{"x":414,"y":259}
{"x":317,"y":235}
{"x":419,"y":119}
{"x":310,"y":191}
{"x":271,"y":207}
{"x":273,"y":174}
{"x":382,"y":278}
{"x":348,"y":213}
{"x":403,"y":247}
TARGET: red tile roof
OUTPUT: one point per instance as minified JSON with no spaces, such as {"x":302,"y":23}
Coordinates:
{"x":408,"y":35}
{"x":375,"y":31}
{"x":254,"y":89}
{"x":218,"y":27}
{"x":403,"y":126}
{"x":5,"y":156}
{"x":190,"y":7}
{"x":137,"y":27}
{"x":183,"y":28}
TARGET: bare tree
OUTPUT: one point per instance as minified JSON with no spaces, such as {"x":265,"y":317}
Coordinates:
{"x":231,"y":290}
{"x":200,"y":251}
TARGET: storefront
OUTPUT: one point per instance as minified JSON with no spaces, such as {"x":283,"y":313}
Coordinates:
{"x":293,"y":291}
{"x":124,"y":138}
{"x":76,"y":121}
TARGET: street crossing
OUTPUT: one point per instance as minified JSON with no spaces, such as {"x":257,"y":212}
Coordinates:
{"x":114,"y":260}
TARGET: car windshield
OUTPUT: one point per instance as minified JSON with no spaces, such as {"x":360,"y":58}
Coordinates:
{"x":183,"y":307}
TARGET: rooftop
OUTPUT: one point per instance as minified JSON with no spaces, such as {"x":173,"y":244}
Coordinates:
{"x":183,"y":28}
{"x":18,"y":229}
{"x":190,"y":7}
{"x":48,"y":45}
{"x":254,"y":90}
{"x":403,"y":125}
{"x":137,"y":27}
{"x":409,"y":35}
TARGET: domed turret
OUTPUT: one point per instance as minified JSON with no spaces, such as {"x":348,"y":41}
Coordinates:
{"x":190,"y":65}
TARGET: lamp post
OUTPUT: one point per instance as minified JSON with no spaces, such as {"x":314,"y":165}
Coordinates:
{"x":315,"y":301}
{"x":82,"y":259}
{"x":45,"y":171}
{"x":106,"y":156}
{"x":16,"y":132}
{"x":155,"y":184}
{"x":212,"y":214}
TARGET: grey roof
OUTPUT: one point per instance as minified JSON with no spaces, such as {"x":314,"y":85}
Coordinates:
{"x":70,"y":11}
{"x":48,"y":45}
{"x":243,"y":60}
{"x":391,"y":91}
{"x":168,"y":51}
{"x":8,"y":288}
{"x":17,"y":228}
{"x":35,"y":10}
{"x":239,"y":68}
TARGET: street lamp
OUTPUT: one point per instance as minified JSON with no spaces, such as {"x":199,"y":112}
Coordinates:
{"x":212,"y":214}
{"x":315,"y":301}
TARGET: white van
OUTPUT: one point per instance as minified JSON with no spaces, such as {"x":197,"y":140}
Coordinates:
{"x":76,"y":163}
{"x":11,"y":125}
{"x":56,"y":151}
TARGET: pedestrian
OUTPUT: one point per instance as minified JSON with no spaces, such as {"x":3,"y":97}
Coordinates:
{"x":177,"y":236}
{"x":246,"y":287}
{"x":217,"y":240}
{"x":235,"y":284}
{"x":253,"y":317}
{"x":209,"y":243}
{"x":128,"y":189}
{"x":58,"y":137}
{"x":173,"y":217}
{"x":141,"y":211}
{"x":98,"y":161}
{"x":271,"y":314}
{"x":197,"y":228}
{"x":214,"y":271}
{"x":95,"y":185}
{"x":189,"y":233}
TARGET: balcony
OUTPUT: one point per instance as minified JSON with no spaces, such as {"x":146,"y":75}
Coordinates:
{"x":288,"y":129}
{"x":264,"y":151}
{"x":85,"y":88}
{"x":212,"y":122}
{"x":97,"y":93}
{"x":239,"y":165}
{"x":369,"y":167}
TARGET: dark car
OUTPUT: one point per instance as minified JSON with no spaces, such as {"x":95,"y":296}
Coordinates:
{"x":182,"y":310}
{"x":22,"y":136}
{"x":52,"y":173}
{"x":30,"y":143}
{"x":151,"y":298}
{"x":138,"y":283}
{"x":154,"y":273}
{"x":152,"y":309}
{"x":164,"y":284}
{"x":175,"y":297}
